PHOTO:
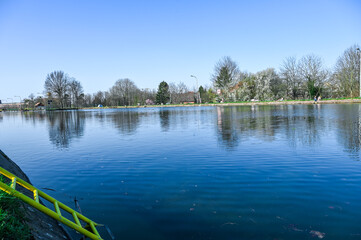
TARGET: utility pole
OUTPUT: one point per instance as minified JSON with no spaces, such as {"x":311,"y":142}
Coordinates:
{"x":199,"y":100}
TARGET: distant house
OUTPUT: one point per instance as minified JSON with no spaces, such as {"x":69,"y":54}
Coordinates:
{"x":39,"y":106}
{"x":188,"y":97}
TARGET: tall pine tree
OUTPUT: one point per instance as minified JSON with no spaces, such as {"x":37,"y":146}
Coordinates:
{"x":163,"y":93}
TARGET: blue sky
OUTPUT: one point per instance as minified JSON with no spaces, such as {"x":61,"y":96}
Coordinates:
{"x":98,"y":42}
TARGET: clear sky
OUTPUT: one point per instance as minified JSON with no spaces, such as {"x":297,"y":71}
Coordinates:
{"x":99,"y":42}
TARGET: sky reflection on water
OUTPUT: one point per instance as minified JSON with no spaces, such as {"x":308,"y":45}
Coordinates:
{"x":200,"y":172}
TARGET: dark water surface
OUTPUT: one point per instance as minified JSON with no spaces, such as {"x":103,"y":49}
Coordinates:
{"x":250,"y":172}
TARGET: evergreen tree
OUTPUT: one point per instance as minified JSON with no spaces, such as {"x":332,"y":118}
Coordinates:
{"x":224,"y":79}
{"x":163,"y":93}
{"x":226,"y":74}
{"x":202,"y":93}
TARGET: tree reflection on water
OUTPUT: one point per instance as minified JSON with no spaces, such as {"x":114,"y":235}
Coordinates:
{"x":304,"y":125}
{"x":64,"y":126}
{"x":349,"y":129}
{"x":164,"y":120}
{"x":298,"y":124}
{"x":126,"y":122}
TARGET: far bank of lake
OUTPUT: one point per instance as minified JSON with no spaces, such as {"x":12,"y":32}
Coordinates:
{"x":247,"y":103}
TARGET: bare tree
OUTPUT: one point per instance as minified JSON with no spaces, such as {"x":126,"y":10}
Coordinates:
{"x":173,"y":93}
{"x":290,"y":73}
{"x":178,"y":92}
{"x":182,"y":88}
{"x":88,"y":100}
{"x":347,"y":73}
{"x":182,"y":92}
{"x":76,"y":90}
{"x":226,"y":74}
{"x":56,"y":83}
{"x":98,"y":98}
{"x":124,"y":92}
{"x":313,"y":74}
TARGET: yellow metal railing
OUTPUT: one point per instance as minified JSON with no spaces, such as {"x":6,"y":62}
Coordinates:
{"x":89,"y":230}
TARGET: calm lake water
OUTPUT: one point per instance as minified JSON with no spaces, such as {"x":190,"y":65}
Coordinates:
{"x":247,"y":172}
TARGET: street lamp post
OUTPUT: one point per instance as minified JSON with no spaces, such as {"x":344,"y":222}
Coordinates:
{"x":359,"y":51}
{"x":199,"y":100}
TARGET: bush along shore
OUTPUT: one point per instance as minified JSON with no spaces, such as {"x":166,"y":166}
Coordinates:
{"x":12,"y":218}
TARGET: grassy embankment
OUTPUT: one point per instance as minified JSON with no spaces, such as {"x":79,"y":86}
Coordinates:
{"x":12,"y":218}
{"x":326,"y":100}
{"x":308,"y":101}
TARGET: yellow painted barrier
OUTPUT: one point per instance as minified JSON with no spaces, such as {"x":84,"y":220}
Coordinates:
{"x":89,"y":230}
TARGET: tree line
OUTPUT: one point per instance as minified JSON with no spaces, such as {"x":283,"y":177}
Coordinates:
{"x":302,"y":78}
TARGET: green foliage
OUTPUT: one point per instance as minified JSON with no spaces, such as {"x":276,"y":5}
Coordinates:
{"x":163,"y":93}
{"x":201,"y":90}
{"x":12,"y":218}
{"x":247,"y":89}
{"x":203,"y":94}
{"x":207,"y":96}
{"x":312,"y":89}
{"x":226,"y":75}
{"x":224,"y":79}
{"x":211,"y":95}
